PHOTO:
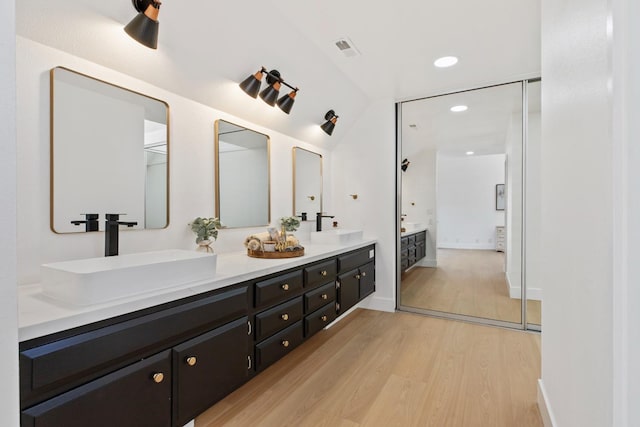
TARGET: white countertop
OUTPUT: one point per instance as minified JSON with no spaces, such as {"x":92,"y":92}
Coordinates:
{"x":414,"y":231}
{"x":39,"y":315}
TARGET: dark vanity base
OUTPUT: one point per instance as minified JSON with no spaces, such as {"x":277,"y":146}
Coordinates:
{"x":165,"y":365}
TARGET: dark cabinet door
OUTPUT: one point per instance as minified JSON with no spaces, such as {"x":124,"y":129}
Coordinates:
{"x":138,"y":395}
{"x":367,"y":279}
{"x":209,"y":367}
{"x":349,"y":291}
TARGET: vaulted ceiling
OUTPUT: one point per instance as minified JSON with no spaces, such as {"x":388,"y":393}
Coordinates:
{"x":206,"y":48}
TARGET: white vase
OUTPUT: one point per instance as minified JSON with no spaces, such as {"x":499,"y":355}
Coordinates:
{"x":205,"y":246}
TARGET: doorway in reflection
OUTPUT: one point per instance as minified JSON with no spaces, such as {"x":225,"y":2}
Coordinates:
{"x":463,"y":213}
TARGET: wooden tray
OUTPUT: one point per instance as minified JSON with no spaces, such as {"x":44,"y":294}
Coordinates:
{"x":275,"y":255}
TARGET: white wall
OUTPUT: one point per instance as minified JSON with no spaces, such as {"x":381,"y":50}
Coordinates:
{"x":577,"y":220}
{"x":8,"y":300}
{"x":191,"y":163}
{"x":364,"y":164}
{"x":419,"y":199}
{"x":467,"y":216}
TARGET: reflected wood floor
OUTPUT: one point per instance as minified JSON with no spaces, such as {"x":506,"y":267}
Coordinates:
{"x":470,"y":282}
{"x":394,"y":369}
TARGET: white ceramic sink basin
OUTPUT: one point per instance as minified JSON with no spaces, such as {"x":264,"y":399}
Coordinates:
{"x":410,"y":226}
{"x":97,"y":280}
{"x":336,"y":236}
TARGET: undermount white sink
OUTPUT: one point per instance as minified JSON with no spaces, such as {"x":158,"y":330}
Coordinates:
{"x":336,"y":236}
{"x":97,"y":280}
{"x":410,"y":226}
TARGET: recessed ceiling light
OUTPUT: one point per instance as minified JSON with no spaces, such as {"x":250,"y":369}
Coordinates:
{"x":459,"y":108}
{"x":470,"y":153}
{"x":446,"y":61}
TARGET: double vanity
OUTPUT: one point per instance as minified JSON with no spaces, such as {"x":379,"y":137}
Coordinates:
{"x":161,"y":358}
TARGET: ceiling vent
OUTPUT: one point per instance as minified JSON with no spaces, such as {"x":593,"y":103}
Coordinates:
{"x":347,"y":47}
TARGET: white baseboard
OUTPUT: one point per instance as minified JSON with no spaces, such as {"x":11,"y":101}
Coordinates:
{"x":430,"y":263}
{"x":532,"y":293}
{"x":545,"y":409}
{"x":483,"y":246}
{"x":374,"y":302}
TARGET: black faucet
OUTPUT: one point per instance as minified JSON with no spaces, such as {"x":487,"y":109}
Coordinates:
{"x":319,"y":217}
{"x":112,"y":225}
{"x":90,"y":223}
{"x":302,"y":216}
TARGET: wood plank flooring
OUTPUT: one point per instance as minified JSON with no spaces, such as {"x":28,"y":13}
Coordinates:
{"x":469,"y":282}
{"x":394,"y":369}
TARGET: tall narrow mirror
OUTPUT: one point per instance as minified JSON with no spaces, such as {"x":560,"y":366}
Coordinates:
{"x":242,"y":176}
{"x":109,"y":153}
{"x":307,"y":183}
{"x":462,"y":205}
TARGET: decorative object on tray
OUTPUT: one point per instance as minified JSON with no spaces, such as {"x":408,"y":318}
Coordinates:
{"x":206,"y":230}
{"x":274,"y":244}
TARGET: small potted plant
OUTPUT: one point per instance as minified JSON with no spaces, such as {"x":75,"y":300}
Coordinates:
{"x":206,"y":230}
{"x":288,"y":223}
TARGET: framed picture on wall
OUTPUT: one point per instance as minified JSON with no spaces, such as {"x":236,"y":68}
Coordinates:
{"x":500,"y":197}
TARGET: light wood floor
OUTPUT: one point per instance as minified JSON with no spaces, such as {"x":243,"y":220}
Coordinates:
{"x":394,"y":369}
{"x":469,"y":282}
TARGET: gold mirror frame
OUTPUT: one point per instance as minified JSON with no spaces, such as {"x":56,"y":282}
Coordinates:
{"x":217,"y":174}
{"x":320,"y":195}
{"x":52,"y":92}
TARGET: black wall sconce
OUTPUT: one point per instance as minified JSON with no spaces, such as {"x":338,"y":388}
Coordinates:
{"x":144,"y":27}
{"x":330,"y":123}
{"x":251,"y":86}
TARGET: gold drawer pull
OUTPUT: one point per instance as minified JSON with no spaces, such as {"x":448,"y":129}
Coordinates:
{"x":158,"y":377}
{"x":285,"y":317}
{"x":285,"y":287}
{"x":324,"y":296}
{"x":357,"y":276}
{"x":191,"y":361}
{"x":323,"y":318}
{"x":364,"y":274}
{"x":323,"y":273}
{"x":285,"y":343}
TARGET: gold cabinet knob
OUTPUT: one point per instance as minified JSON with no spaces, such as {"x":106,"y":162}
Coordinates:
{"x":191,"y":361}
{"x":323,"y":273}
{"x":323,"y":318}
{"x":364,"y":274}
{"x":285,"y":317}
{"x":158,"y":377}
{"x":357,"y":276}
{"x":285,"y":287}
{"x":285,"y":343}
{"x":324,"y":296}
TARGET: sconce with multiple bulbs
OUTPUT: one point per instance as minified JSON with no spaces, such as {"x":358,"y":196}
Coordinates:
{"x":144,"y":27}
{"x":251,"y":86}
{"x":331,"y":119}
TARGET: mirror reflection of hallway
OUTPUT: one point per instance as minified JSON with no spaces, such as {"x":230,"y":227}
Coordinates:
{"x":463,"y":210}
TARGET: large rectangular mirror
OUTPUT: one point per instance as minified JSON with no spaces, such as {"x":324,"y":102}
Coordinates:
{"x":242,"y":176}
{"x":109,"y":153}
{"x":307,"y":182}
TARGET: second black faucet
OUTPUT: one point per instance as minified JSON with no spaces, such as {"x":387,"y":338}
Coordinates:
{"x":112,"y":225}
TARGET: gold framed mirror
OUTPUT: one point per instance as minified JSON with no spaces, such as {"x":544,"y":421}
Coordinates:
{"x":109,"y":153}
{"x":307,"y":183}
{"x":242,"y":176}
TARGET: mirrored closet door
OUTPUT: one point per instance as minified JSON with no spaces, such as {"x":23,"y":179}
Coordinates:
{"x":461,"y":237}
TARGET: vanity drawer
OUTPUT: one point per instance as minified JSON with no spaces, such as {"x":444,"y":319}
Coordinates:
{"x":367,"y":279}
{"x":404,"y":243}
{"x":91,"y":354}
{"x":421,"y":236}
{"x":278,"y":289}
{"x":320,"y":318}
{"x":278,"y":345}
{"x":320,"y":273}
{"x":273,"y":320}
{"x":412,"y":240}
{"x":355,"y":259}
{"x":319,"y":297}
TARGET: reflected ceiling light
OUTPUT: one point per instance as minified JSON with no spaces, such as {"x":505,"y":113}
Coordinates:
{"x":330,"y":123}
{"x":144,"y":27}
{"x":470,"y":153}
{"x":251,"y":86}
{"x":446,"y":61}
{"x":459,"y":108}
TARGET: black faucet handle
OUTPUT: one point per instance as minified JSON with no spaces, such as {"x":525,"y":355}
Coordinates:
{"x":128,"y":224}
